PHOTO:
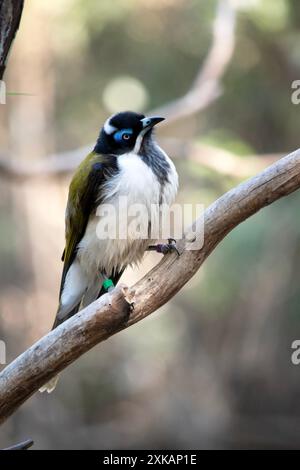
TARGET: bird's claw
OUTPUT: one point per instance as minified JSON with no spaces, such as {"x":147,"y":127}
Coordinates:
{"x":169,"y":247}
{"x":172,"y":246}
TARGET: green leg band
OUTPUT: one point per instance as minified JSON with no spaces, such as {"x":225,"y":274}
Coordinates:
{"x":107,"y":284}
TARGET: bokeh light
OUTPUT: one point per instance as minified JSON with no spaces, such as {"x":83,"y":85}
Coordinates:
{"x":125,"y":93}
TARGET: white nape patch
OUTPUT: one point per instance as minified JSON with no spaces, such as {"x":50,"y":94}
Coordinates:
{"x":108,"y":128}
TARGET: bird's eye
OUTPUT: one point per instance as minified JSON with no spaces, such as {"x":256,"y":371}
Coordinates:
{"x":123,"y":135}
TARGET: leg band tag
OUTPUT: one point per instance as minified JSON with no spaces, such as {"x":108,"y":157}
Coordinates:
{"x":107,"y":283}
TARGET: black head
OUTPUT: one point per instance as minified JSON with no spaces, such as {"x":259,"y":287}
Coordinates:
{"x":124,"y":132}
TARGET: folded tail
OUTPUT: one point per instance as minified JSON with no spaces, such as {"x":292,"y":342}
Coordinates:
{"x":67,"y":311}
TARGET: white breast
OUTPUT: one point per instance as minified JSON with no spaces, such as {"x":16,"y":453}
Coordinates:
{"x":137,"y":182}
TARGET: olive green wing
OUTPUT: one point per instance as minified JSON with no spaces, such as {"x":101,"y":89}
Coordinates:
{"x":82,"y":201}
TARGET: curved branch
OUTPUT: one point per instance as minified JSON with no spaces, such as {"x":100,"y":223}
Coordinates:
{"x":207,"y":87}
{"x":219,"y":159}
{"x":109,"y":314}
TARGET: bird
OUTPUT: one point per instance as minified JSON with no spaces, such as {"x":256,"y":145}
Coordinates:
{"x":126,"y":162}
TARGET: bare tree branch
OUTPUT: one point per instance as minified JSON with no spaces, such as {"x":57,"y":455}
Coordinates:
{"x":10,"y":16}
{"x":207,"y":87}
{"x":21,"y":446}
{"x":53,"y":165}
{"x":109,"y":314}
{"x":217,"y":159}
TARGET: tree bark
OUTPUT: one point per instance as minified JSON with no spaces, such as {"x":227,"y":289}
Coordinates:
{"x":10,"y":17}
{"x":110,"y":314}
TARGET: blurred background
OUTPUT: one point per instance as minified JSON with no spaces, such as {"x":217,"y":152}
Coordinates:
{"x":212,"y":369}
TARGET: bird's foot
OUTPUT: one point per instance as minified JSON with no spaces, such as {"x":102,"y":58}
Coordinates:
{"x":166,"y":248}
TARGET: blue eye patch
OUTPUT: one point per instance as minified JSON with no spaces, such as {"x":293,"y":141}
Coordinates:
{"x":118,"y":136}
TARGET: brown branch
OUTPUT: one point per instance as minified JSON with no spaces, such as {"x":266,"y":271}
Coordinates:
{"x":21,"y":446}
{"x":109,"y":314}
{"x":10,"y":17}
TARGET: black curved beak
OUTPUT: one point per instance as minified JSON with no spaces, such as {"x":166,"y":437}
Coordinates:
{"x":149,"y":122}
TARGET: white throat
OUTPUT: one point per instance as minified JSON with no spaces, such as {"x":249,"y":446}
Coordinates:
{"x":139,"y":141}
